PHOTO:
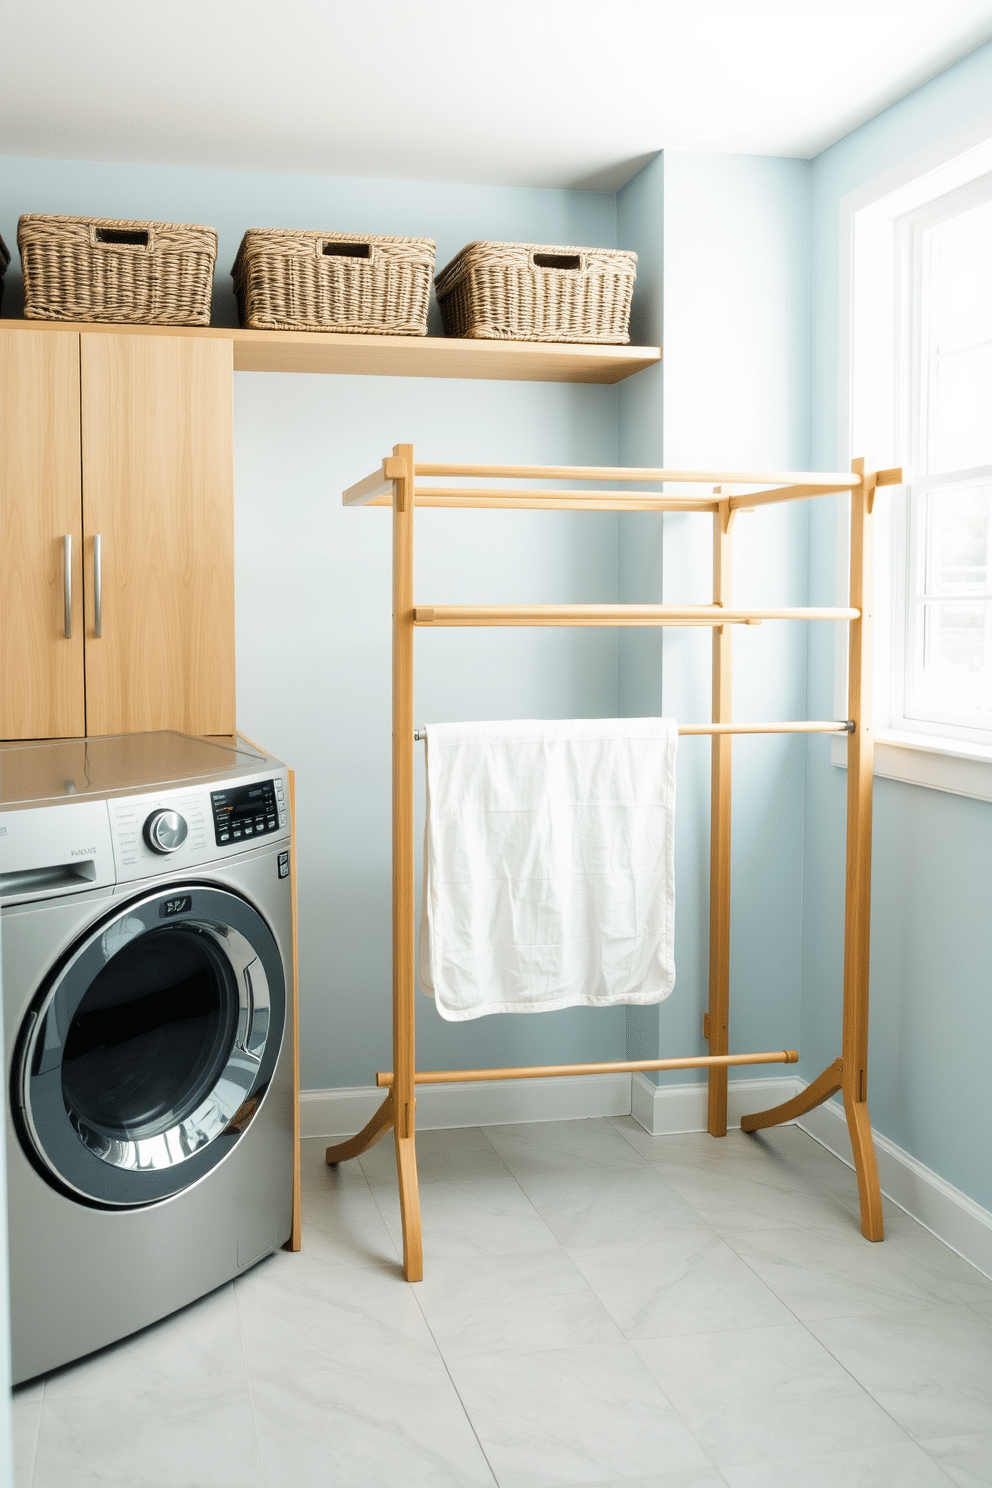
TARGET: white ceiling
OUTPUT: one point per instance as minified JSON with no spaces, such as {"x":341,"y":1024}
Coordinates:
{"x":526,"y":92}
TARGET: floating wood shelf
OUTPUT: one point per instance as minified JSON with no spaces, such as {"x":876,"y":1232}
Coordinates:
{"x":396,"y":356}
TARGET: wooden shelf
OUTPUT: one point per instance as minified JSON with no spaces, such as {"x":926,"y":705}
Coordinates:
{"x":396,"y":356}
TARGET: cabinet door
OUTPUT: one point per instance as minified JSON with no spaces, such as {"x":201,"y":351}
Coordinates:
{"x":158,"y":493}
{"x":41,"y":666}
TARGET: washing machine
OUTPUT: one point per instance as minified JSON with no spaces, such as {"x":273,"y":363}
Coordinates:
{"x":146,"y":939}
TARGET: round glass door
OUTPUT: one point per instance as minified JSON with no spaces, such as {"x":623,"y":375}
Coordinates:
{"x":149,"y":1052}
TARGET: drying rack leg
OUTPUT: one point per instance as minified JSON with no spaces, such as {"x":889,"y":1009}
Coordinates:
{"x":406,"y":1168}
{"x":866,"y":1167}
{"x":821,"y":1089}
{"x":716,"y":1026}
{"x":850,"y":1072}
{"x":859,"y":1129}
{"x":366,"y":1138}
{"x":404,"y":931}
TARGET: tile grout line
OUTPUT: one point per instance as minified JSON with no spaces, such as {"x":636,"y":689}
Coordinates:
{"x":828,"y":1351}
{"x":939,"y":1465}
{"x":251,"y":1393}
{"x":628,"y":1342}
{"x":861,"y":1387}
{"x":520,"y":1189}
{"x":37,"y":1439}
{"x":458,"y":1395}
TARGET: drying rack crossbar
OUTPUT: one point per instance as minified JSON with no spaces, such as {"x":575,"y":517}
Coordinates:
{"x":611,"y":1067}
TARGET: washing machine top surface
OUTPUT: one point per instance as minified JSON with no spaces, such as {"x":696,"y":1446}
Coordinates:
{"x":60,"y":769}
{"x":82,"y":814}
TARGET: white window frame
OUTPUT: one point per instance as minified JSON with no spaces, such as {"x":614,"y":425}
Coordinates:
{"x":871,"y":422}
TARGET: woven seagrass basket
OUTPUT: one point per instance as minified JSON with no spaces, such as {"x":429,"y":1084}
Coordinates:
{"x":4,"y":261}
{"x":129,"y":273}
{"x":526,"y":292}
{"x":310,"y":281}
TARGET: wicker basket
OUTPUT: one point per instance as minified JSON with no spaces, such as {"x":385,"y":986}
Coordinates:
{"x":131,"y":273}
{"x":4,"y":261}
{"x":525,"y":292}
{"x":310,"y":281}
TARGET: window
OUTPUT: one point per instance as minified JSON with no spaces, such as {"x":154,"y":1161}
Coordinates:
{"x":916,"y":391}
{"x":942,"y":672}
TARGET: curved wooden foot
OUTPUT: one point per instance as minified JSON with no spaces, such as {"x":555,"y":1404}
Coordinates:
{"x":406,"y":1168}
{"x":863,"y":1148}
{"x":821,"y":1089}
{"x":366,"y":1138}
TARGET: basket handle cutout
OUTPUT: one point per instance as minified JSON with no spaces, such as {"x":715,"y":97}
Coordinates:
{"x":134,"y":237}
{"x":347,"y":250}
{"x":557,"y":261}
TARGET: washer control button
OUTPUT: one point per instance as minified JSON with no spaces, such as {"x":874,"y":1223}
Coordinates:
{"x":165,"y":831}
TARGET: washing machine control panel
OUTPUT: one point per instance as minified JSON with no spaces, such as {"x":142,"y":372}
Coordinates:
{"x":220,"y":819}
{"x":242,"y":813}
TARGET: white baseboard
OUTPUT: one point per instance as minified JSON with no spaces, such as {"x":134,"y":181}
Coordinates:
{"x":664,"y":1110}
{"x":335,"y":1113}
{"x":943,"y":1209}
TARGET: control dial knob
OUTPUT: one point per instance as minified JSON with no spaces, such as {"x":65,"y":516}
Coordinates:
{"x":165,"y":831}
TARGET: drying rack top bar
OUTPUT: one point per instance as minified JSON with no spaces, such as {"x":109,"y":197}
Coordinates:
{"x":834,"y":482}
{"x":765,"y":487}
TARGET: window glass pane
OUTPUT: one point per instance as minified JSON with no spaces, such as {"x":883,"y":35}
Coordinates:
{"x":958,"y":541}
{"x":954,"y":684}
{"x":962,"y":424}
{"x":962,"y":284}
{"x":955,"y":640}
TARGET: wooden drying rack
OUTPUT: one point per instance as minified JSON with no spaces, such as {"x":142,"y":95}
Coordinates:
{"x":396,"y":485}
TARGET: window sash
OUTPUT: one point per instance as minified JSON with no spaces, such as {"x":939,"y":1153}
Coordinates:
{"x":928,"y":604}
{"x":939,"y":631}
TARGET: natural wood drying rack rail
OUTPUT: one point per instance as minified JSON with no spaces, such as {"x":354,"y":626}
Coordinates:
{"x":399,"y":484}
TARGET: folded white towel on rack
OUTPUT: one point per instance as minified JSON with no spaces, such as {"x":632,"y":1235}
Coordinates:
{"x":549,"y":874}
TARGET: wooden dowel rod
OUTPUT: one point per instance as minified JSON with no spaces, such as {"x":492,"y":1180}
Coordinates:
{"x":556,"y":500}
{"x":829,"y":480}
{"x":837,"y":726}
{"x":802,"y":726}
{"x":436,"y":494}
{"x":615,"y":615}
{"x":614,"y":1067}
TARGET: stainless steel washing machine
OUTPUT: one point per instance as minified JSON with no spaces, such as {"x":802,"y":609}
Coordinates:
{"x":147,"y":964}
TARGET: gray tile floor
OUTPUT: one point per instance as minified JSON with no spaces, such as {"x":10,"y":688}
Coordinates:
{"x":599,"y":1306}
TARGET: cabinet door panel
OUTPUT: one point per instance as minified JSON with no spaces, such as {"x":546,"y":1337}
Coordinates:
{"x":41,"y":671}
{"x":157,"y":432}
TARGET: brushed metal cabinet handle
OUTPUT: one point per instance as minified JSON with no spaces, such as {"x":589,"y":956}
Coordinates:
{"x":67,"y":584}
{"x":97,"y":588}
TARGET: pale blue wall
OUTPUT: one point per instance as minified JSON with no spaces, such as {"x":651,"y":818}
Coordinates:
{"x":733,"y":235}
{"x":931,"y":1019}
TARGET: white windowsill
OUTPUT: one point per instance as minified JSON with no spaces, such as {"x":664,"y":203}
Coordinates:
{"x":921,"y":759}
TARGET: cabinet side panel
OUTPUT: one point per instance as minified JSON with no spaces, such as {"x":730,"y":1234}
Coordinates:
{"x":41,"y":671}
{"x":158,"y":489}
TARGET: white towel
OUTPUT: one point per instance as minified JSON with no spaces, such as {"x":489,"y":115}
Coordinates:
{"x":549,"y":874}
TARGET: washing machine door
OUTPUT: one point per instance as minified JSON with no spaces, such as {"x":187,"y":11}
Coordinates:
{"x":150,"y":1048}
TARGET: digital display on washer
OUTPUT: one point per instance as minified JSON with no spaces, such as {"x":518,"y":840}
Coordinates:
{"x":248,"y":811}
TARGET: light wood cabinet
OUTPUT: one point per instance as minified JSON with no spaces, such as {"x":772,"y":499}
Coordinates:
{"x":41,"y":655}
{"x":125,"y":443}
